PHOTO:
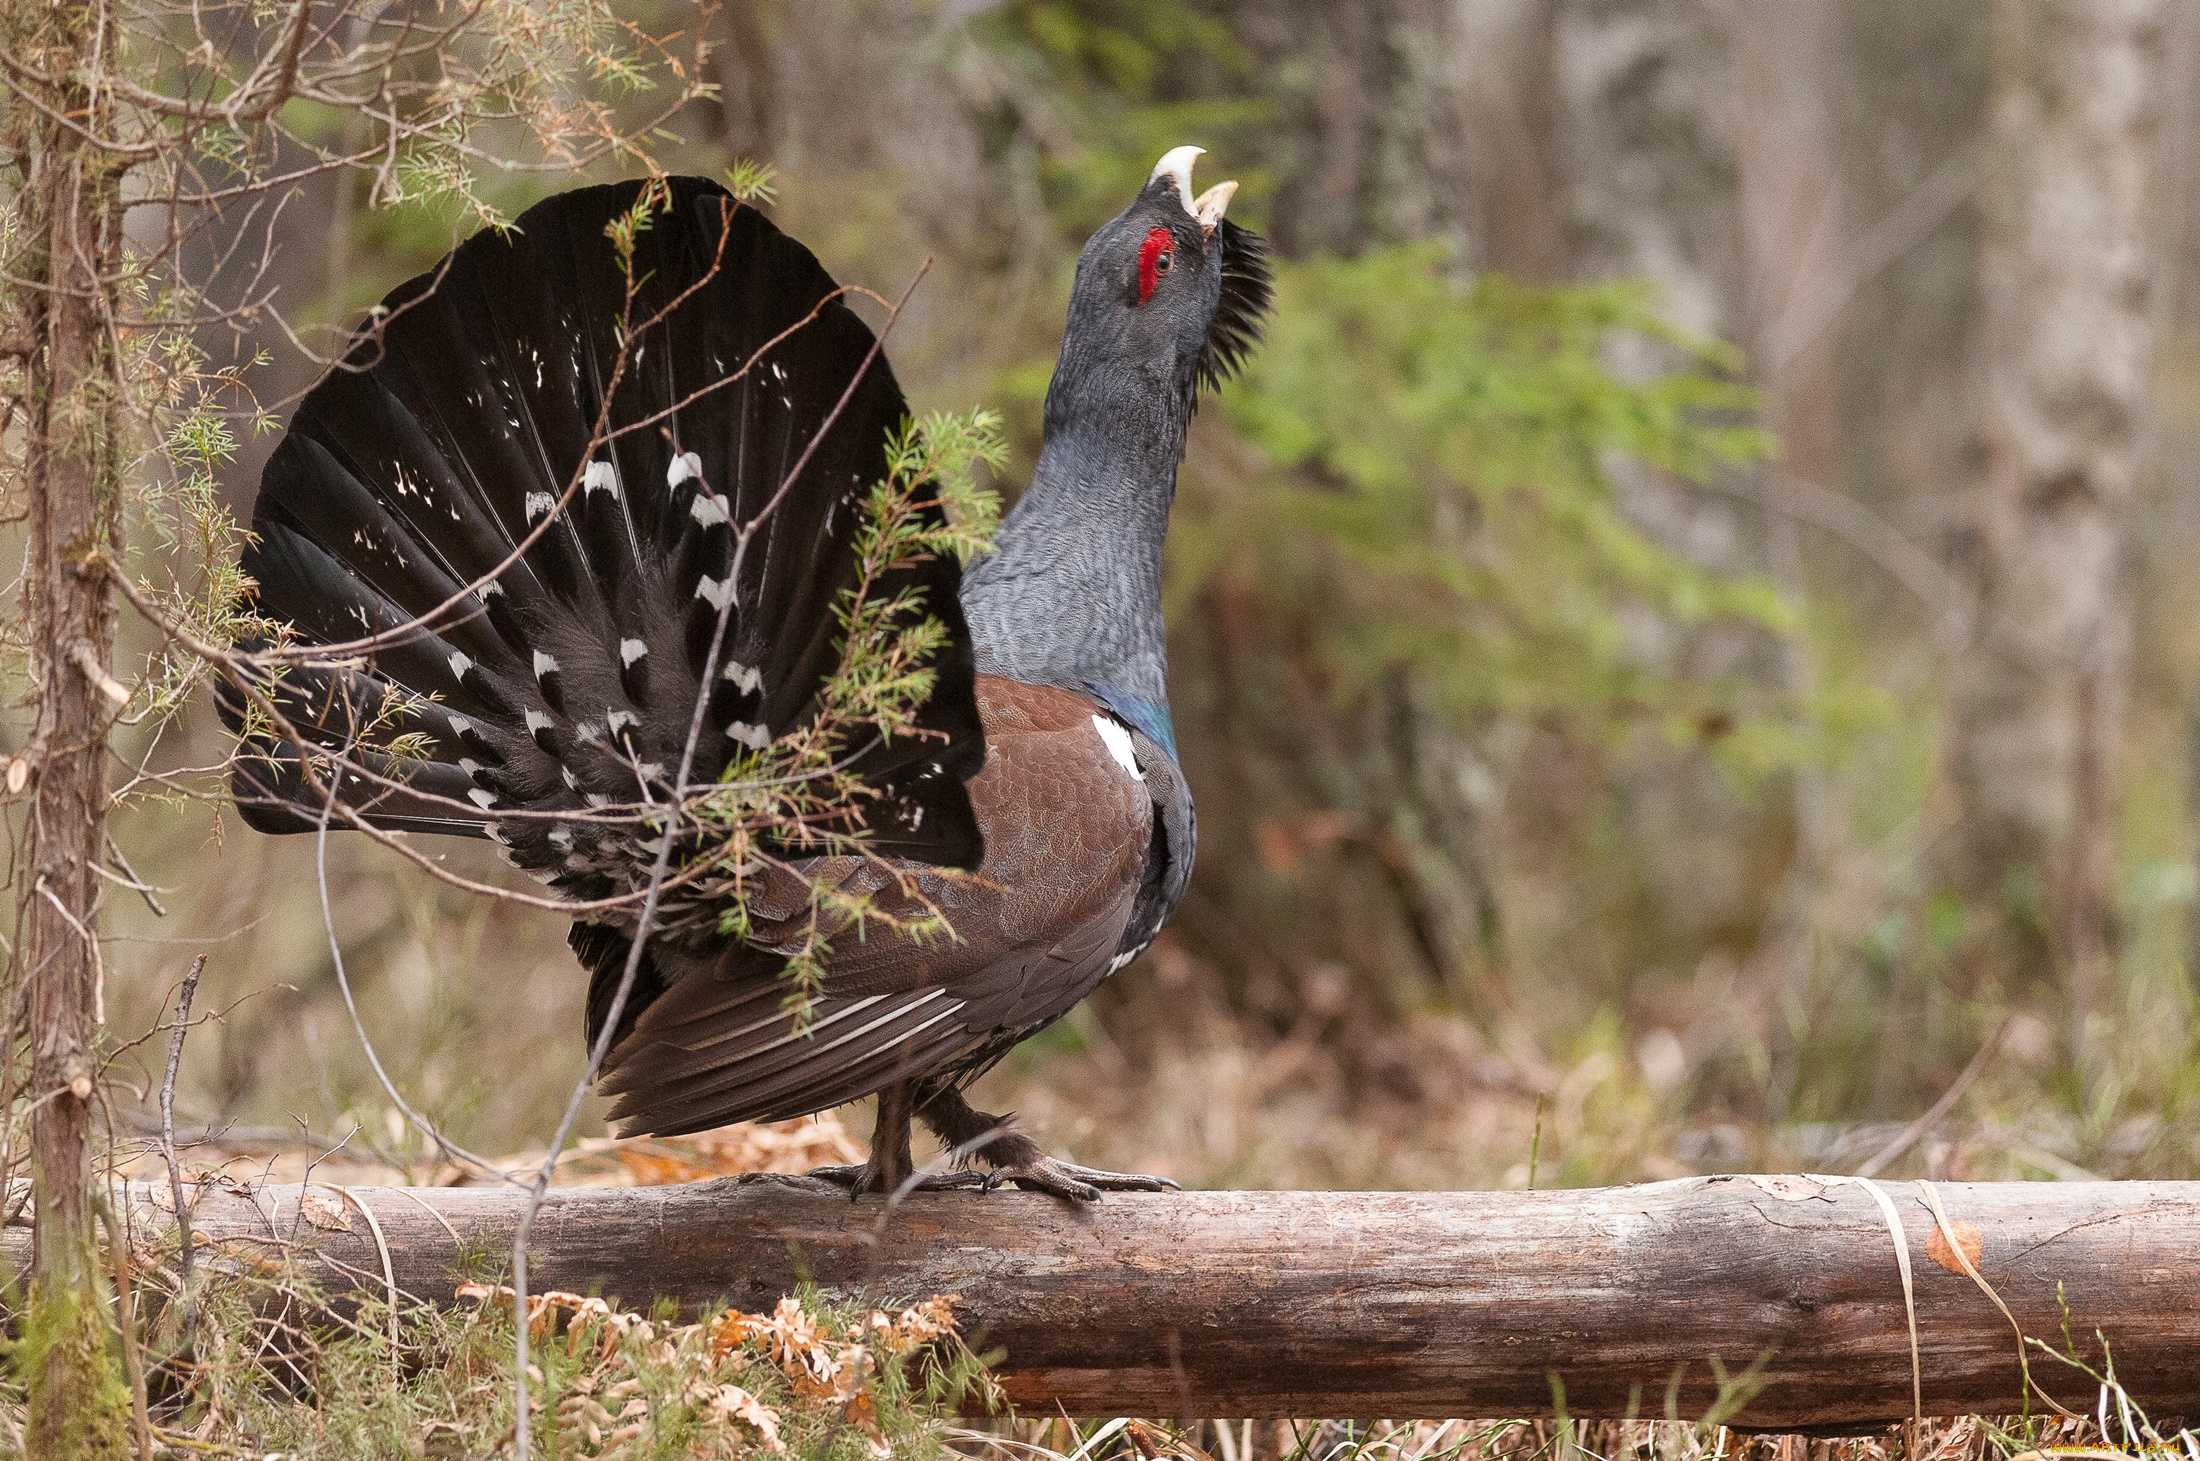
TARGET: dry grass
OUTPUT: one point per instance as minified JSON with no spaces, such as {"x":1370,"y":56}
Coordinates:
{"x":1968,"y":1438}
{"x":825,"y":1383}
{"x":476,"y":1008}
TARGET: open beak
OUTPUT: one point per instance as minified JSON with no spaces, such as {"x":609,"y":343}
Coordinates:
{"x":1212,"y":204}
{"x":1208,"y":208}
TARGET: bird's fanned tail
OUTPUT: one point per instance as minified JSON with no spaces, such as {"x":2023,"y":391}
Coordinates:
{"x":563,"y":683}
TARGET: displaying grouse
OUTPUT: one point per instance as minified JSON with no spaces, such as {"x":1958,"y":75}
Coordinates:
{"x":695,"y":506}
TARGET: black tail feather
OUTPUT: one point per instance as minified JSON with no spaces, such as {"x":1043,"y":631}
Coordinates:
{"x":568,"y":682}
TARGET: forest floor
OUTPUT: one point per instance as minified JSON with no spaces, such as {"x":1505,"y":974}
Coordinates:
{"x":821,"y":1383}
{"x":473,"y":1009}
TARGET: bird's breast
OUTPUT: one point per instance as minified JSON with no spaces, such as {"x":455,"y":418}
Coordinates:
{"x":1062,"y":802}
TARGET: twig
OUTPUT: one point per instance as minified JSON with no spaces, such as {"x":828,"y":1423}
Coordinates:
{"x":133,"y":1358}
{"x":1535,"y":1143}
{"x":1941,"y":192}
{"x":227,"y":1133}
{"x":420,"y":1123}
{"x":168,"y":1137}
{"x":601,"y":1046}
{"x":1909,"y":1135}
{"x":138,"y":888}
{"x":133,"y":882}
{"x":86,"y":659}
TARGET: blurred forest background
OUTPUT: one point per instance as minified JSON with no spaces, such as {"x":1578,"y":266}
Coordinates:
{"x":1684,"y":643}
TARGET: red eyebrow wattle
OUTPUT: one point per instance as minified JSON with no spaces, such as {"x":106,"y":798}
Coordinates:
{"x":1158,"y":242}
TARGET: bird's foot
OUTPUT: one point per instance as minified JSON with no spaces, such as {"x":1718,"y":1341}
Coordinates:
{"x":1069,"y":1181}
{"x":859,"y":1179}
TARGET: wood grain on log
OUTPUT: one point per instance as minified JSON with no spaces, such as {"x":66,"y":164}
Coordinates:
{"x":1387,"y":1304}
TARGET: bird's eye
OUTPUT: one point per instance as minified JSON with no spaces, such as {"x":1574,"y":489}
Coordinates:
{"x":1155,"y":258}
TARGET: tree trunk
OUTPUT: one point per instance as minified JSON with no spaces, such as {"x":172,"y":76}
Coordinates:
{"x":1653,"y":166}
{"x":2065,"y":276}
{"x":1305,"y":1304}
{"x":1505,"y":128}
{"x":77,"y":1400}
{"x":1791,"y":210}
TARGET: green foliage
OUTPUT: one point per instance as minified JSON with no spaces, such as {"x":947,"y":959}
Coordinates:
{"x":63,"y":1360}
{"x":795,"y":797}
{"x":1123,"y":82}
{"x":1435,"y":457}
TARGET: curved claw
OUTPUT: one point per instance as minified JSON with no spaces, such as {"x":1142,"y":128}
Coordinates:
{"x":1073,"y":1183}
{"x":850,"y":1177}
{"x":959,"y":1179}
{"x":859,"y":1179}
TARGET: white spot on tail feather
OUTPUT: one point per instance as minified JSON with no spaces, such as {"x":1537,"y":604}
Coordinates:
{"x":744,"y":677}
{"x":755,"y":737}
{"x":614,"y":719}
{"x":709,"y":510}
{"x":545,"y":664}
{"x":460,"y":664}
{"x":715,"y":593}
{"x":537,"y":722}
{"x":687,"y":464}
{"x":1118,"y":742}
{"x":631,"y":650}
{"x":539,"y":504}
{"x":600,"y":477}
{"x":460,"y":724}
{"x":561,"y":836}
{"x":482,"y":799}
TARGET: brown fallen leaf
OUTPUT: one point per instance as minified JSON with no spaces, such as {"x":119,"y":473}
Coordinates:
{"x":1789,"y":1189}
{"x":325,"y":1210}
{"x":1968,"y":1238}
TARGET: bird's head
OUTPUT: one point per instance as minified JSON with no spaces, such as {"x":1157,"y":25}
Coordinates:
{"x":1168,"y":298}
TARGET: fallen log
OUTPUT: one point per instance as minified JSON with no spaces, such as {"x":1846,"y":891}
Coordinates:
{"x":1234,"y":1304}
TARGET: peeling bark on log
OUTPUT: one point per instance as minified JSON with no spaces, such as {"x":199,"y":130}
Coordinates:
{"x":1234,"y":1304}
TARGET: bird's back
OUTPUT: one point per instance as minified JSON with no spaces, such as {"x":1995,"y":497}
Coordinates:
{"x":1068,"y":821}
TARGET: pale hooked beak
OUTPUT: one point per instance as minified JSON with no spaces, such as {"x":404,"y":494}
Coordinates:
{"x":1213,"y":204}
{"x":1208,"y":208}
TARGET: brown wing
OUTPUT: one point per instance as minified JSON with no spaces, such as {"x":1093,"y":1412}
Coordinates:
{"x":1066,"y":826}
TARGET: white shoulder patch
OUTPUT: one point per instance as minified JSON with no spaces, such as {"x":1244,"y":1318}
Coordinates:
{"x":1118,"y":742}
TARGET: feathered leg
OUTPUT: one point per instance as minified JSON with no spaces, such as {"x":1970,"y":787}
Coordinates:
{"x":890,"y":1168}
{"x":1015,"y":1157}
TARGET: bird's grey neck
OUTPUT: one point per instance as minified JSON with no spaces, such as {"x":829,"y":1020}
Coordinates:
{"x":1071,"y":596}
